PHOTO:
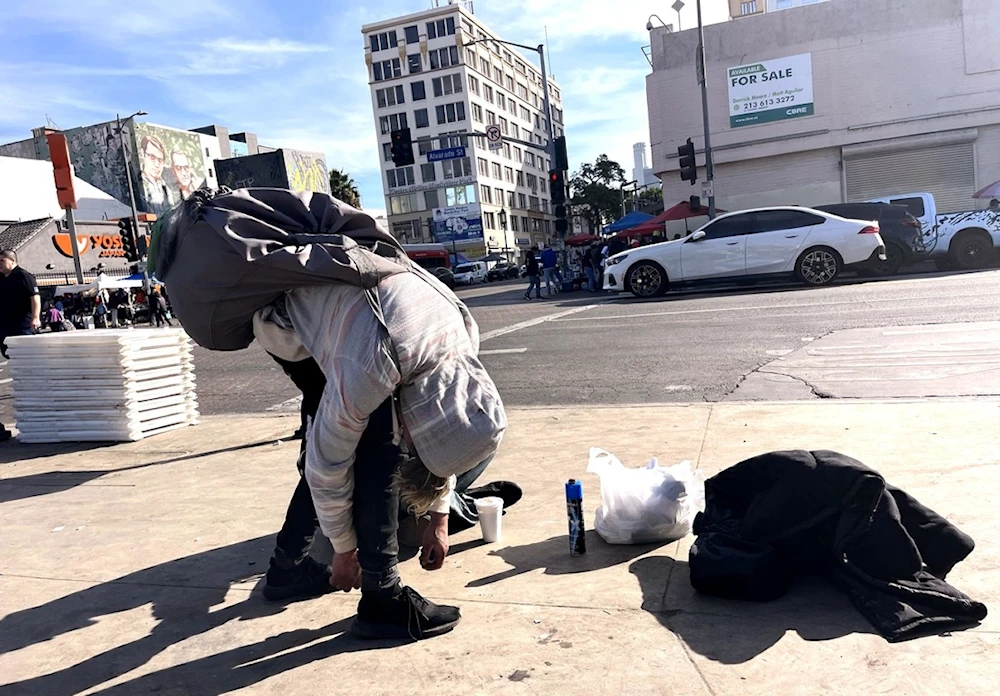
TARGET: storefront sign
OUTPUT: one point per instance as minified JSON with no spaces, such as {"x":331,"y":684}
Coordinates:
{"x":771,"y":90}
{"x":459,"y":223}
{"x":107,"y":245}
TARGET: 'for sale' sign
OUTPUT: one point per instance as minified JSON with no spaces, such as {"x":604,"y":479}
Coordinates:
{"x":771,"y":90}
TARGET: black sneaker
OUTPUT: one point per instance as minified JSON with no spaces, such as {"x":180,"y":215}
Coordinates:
{"x":402,"y":615}
{"x":305,"y":580}
{"x":509,"y":491}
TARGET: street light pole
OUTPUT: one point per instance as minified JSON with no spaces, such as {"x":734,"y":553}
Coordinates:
{"x":131,"y":191}
{"x":703,"y":78}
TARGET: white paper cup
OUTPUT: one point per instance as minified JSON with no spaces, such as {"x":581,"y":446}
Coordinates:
{"x":490,"y":518}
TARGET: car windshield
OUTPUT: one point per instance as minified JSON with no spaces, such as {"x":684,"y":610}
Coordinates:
{"x":467,"y":268}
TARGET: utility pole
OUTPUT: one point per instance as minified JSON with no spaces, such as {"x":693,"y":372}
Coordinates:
{"x":703,"y":79}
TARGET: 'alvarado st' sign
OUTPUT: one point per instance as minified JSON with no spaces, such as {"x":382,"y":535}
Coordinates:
{"x":771,"y":90}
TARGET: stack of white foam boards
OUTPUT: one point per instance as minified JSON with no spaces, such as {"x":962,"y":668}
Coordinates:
{"x":104,"y":385}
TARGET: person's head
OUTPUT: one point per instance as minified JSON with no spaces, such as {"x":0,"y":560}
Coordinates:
{"x":418,"y":488}
{"x":153,"y":155}
{"x":182,"y":168}
{"x":8,"y":261}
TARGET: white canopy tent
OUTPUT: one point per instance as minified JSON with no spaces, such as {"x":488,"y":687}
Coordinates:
{"x":102,"y":282}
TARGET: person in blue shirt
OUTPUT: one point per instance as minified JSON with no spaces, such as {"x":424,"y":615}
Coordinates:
{"x":548,"y":258}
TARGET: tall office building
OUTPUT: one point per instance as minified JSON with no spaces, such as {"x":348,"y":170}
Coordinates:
{"x":424,"y":76}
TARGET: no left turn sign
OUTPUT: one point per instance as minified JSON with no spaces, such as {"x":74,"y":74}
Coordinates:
{"x":493,"y":137}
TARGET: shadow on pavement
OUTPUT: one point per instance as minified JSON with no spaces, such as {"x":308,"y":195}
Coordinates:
{"x":733,"y":632}
{"x":552,"y":555}
{"x":32,"y":485}
{"x":183,"y":594}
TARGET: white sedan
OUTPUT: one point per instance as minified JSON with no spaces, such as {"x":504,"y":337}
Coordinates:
{"x":810,"y":245}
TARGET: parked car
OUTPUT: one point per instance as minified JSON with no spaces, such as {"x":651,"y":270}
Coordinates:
{"x":901,"y":232}
{"x":813,"y":246}
{"x":963,"y":241}
{"x":470,"y":273}
{"x":502,"y":271}
{"x":444,"y":275}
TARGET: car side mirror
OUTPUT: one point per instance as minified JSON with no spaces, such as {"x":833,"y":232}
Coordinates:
{"x":700,"y":234}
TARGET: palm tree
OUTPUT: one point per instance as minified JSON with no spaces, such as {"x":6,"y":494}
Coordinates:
{"x":342,"y":187}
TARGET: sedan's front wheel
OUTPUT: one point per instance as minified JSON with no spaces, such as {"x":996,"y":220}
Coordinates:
{"x":818,"y":266}
{"x":646,"y":279}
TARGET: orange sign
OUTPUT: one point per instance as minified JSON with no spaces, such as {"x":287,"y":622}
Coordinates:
{"x":107,"y":245}
{"x":62,"y":171}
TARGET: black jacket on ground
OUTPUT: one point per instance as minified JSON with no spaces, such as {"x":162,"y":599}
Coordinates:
{"x":772,"y":516}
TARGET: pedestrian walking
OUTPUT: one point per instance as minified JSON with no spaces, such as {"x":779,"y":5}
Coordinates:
{"x":100,"y":313}
{"x":54,"y":318}
{"x":532,"y":271}
{"x":550,"y":270}
{"x":20,"y":306}
{"x":158,"y":308}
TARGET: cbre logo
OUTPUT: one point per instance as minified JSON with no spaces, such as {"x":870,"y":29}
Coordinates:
{"x":64,"y":244}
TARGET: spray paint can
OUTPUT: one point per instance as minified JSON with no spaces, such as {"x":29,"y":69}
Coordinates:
{"x":574,"y":511}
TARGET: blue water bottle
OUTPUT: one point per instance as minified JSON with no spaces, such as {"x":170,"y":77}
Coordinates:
{"x":574,"y":511}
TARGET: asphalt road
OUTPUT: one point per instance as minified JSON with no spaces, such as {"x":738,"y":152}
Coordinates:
{"x":584,"y":348}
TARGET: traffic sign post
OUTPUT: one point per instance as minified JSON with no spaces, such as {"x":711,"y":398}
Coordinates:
{"x":494,"y":137}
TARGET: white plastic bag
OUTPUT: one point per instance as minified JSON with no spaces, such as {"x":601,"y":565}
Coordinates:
{"x":640,"y":506}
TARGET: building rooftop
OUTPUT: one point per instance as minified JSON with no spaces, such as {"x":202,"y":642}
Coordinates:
{"x":16,"y":234}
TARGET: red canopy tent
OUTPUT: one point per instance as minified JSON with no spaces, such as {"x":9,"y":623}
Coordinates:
{"x":681,"y":211}
{"x":581,"y":239}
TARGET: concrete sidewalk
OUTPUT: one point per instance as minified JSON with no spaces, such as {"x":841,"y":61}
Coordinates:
{"x":132,"y":569}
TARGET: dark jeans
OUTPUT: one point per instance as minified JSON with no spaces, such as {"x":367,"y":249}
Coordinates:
{"x":13,"y":331}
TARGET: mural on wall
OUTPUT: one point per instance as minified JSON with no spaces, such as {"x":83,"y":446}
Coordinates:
{"x":238,"y":149}
{"x":306,"y":171}
{"x":171,"y":165}
{"x":96,"y":155}
{"x":266,"y":170}
{"x":25,"y":149}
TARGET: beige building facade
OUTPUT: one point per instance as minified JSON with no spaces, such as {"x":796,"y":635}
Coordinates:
{"x":902,"y":97}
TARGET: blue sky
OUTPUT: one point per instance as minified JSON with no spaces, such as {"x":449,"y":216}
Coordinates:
{"x":293,"y":71}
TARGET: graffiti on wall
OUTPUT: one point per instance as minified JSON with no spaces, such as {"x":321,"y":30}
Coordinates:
{"x":267,"y":170}
{"x":171,"y":165}
{"x":306,"y":171}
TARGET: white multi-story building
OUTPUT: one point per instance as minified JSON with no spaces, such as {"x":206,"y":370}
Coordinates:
{"x":425,"y":77}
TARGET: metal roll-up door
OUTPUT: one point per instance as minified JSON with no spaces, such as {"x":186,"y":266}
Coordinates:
{"x":947,"y":171}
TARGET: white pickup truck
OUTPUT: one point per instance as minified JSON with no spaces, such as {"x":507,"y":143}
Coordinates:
{"x":961,"y":241}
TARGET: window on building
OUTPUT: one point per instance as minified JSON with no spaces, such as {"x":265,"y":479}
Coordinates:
{"x":498,"y":75}
{"x":522,"y":91}
{"x":498,"y":196}
{"x":488,"y":93}
{"x":443,"y":57}
{"x":491,"y":118}
{"x":497,"y":172}
{"x":400,"y":177}
{"x":501,"y":100}
{"x":425,"y":146}
{"x":491,"y":220}
{"x":533,"y":203}
{"x":460,"y":195}
{"x":519,"y":66}
{"x":417,"y":91}
{"x":392,"y":122}
{"x":414,"y":64}
{"x":504,"y":126}
{"x":508,"y":174}
{"x":477,"y":113}
{"x":525,"y":114}
{"x":518,"y":155}
{"x":450,"y":113}
{"x":515,"y":131}
{"x":449,"y":84}
{"x":456,"y":140}
{"x":457,"y":168}
{"x":532,"y":181}
{"x":510,"y":83}
{"x":473,"y":84}
{"x":484,"y":66}
{"x":538,"y":121}
{"x":387,"y":152}
{"x":467,"y":25}
{"x":748,"y":7}
{"x":420,"y":118}
{"x":441,"y":27}
{"x":430,"y":199}
{"x":487,"y":194}
{"x":427,"y":172}
{"x":412,"y":34}
{"x":522,"y":201}
{"x":390,"y":96}
{"x":380,"y":42}
{"x":529,"y":159}
{"x":386,"y":70}
{"x":506,"y":150}
{"x":484,"y":166}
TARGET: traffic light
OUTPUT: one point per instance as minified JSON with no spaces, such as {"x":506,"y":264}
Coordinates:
{"x":402,"y":147}
{"x":127,"y":233}
{"x":562,"y":158}
{"x":689,"y":170}
{"x":557,"y":187}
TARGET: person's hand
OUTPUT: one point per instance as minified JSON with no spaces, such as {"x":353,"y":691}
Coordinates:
{"x":36,"y":323}
{"x":435,"y":542}
{"x":345,"y":572}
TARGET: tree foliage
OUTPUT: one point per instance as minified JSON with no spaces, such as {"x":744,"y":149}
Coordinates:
{"x":596,"y":193}
{"x":343,"y":188}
